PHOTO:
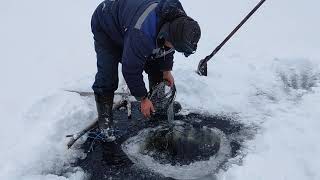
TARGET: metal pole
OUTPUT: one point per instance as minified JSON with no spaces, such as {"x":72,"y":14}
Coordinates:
{"x":203,"y":67}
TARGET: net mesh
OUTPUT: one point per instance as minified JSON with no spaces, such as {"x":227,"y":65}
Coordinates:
{"x":162,"y":97}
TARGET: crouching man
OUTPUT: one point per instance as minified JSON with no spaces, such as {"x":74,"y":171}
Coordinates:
{"x":143,"y":35}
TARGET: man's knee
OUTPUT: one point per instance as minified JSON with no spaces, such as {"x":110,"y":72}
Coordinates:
{"x":105,"y":84}
{"x":155,"y":75}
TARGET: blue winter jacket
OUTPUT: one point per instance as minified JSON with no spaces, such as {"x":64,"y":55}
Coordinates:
{"x":134,"y":25}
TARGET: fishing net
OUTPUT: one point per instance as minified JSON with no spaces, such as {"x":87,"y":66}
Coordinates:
{"x":162,"y":97}
{"x":177,"y":142}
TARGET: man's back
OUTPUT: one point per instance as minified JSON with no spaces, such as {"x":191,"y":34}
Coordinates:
{"x":143,"y":36}
{"x":116,"y":17}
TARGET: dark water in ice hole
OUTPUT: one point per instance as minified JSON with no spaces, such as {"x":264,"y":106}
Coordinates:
{"x":108,"y":161}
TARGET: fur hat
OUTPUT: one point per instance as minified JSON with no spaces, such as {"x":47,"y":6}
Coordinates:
{"x":184,"y":33}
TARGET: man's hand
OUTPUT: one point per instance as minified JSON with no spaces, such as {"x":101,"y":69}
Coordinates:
{"x":147,"y":108}
{"x":169,"y":78}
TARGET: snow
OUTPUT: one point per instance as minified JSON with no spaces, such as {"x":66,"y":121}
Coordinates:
{"x":260,"y":75}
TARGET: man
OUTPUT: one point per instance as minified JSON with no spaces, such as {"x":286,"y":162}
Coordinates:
{"x":142,"y":35}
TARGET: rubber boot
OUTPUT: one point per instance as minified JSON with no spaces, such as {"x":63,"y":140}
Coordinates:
{"x":105,"y":116}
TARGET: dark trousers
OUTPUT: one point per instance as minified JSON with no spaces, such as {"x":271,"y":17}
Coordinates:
{"x":108,"y":58}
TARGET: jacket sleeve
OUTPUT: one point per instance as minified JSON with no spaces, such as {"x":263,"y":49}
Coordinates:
{"x":137,"y":48}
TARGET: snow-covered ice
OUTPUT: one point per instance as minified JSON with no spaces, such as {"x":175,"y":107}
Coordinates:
{"x":268,"y":74}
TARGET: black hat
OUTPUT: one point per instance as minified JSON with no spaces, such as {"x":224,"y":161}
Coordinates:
{"x":184,"y":33}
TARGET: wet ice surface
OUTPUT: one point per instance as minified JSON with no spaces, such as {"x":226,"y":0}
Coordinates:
{"x":179,"y":144}
{"x":174,"y":155}
{"x":130,"y":158}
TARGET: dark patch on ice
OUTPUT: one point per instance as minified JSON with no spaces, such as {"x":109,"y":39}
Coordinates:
{"x":182,"y":144}
{"x":298,"y":74}
{"x":303,"y":80}
{"x":108,"y":161}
